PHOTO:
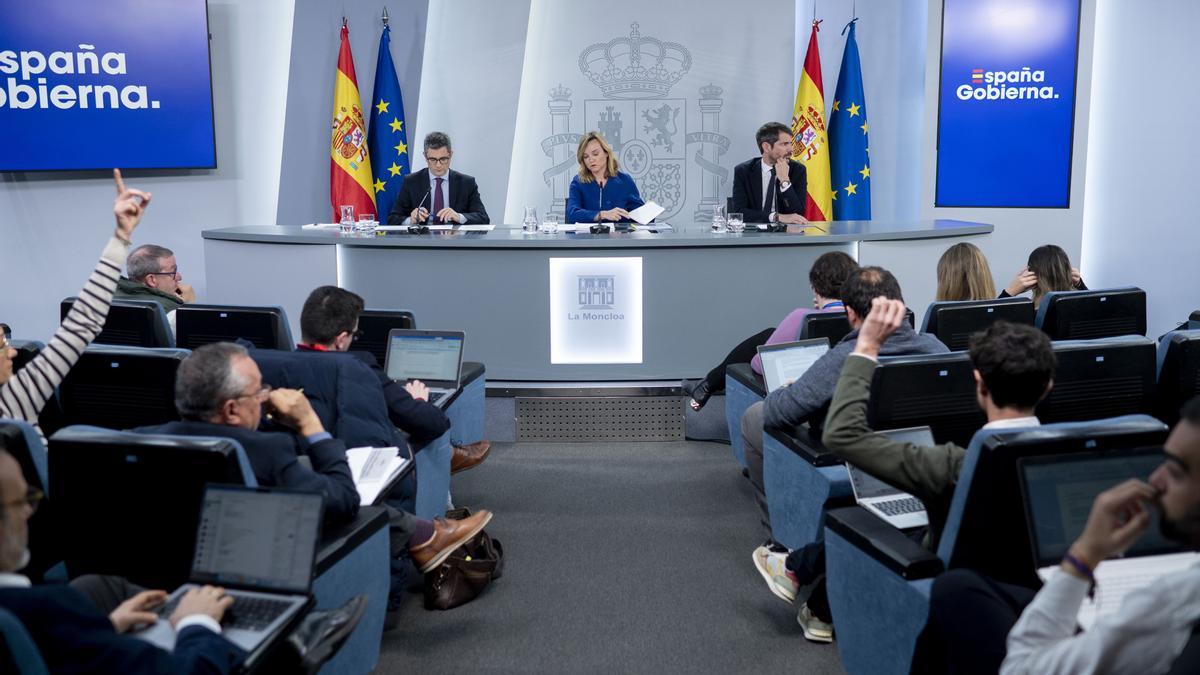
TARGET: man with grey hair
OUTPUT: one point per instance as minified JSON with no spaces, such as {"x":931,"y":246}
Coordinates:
{"x":219,"y":392}
{"x":153,"y":274}
{"x":436,"y":193}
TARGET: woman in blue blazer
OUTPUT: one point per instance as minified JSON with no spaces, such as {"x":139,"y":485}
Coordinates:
{"x":600,"y":192}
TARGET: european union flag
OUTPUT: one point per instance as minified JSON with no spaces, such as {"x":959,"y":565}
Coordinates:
{"x":387,"y":139}
{"x":849,"y":163}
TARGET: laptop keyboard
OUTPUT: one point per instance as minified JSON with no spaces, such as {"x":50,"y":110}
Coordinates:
{"x":435,"y":396}
{"x":899,"y":507}
{"x":246,"y":612}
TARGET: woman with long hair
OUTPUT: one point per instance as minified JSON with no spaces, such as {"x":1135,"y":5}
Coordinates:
{"x":1048,"y":269}
{"x":963,"y":274}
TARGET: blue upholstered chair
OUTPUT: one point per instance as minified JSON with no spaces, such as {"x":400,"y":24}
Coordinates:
{"x":20,"y":651}
{"x":265,"y":327}
{"x":955,"y":322}
{"x":878,"y":580}
{"x":801,"y":479}
{"x":743,"y":388}
{"x":1085,"y":315}
{"x":132,"y":323}
{"x":1178,"y":372}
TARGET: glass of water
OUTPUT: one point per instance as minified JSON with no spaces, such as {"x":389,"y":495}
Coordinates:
{"x":550,"y":224}
{"x":366,"y":223}
{"x":347,"y":221}
{"x":735,"y":223}
{"x":718,"y":218}
{"x":530,"y":223}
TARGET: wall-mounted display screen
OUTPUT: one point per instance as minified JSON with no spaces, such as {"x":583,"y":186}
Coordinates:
{"x":1006,"y":103}
{"x":94,"y":85}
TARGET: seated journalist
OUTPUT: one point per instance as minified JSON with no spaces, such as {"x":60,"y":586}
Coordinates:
{"x":601,"y":192}
{"x":771,"y":187}
{"x":1014,"y":370}
{"x":24,"y":395}
{"x":153,"y":274}
{"x":329,"y":323}
{"x":437,"y":194}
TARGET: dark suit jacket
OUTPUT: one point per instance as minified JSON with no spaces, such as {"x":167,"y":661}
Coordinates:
{"x":464,"y":198}
{"x":421,"y":420}
{"x":748,"y":193}
{"x":73,"y":636}
{"x":274,"y":459}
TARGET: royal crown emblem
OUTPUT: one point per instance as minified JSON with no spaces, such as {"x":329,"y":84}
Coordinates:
{"x":635,"y":66}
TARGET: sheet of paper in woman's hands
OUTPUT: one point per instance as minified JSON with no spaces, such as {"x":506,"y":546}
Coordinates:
{"x":646,"y":212}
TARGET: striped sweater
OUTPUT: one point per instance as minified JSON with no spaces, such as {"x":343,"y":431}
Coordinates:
{"x":24,"y":395}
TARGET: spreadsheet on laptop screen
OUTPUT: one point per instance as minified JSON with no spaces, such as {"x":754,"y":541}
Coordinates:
{"x":424,"y":357}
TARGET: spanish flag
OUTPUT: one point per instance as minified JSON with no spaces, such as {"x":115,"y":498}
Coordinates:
{"x":810,"y":138}
{"x":350,"y":179}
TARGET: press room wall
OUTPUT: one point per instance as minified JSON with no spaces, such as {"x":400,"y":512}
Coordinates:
{"x":53,"y":225}
{"x":1139,"y":219}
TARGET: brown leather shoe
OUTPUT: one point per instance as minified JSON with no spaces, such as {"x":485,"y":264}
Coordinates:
{"x":447,"y":536}
{"x":469,"y":456}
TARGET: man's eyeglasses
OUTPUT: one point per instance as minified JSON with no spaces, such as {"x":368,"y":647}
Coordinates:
{"x":168,"y":273}
{"x":357,"y":334}
{"x":33,"y":497}
{"x":438,"y":160}
{"x":260,"y":395}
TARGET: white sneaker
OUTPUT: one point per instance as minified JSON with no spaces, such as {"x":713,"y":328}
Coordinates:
{"x":815,"y":630}
{"x":773,"y":568}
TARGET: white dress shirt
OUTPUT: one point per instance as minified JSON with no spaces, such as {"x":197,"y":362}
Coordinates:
{"x":1145,"y":636}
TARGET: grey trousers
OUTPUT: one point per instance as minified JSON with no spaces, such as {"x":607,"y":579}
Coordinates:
{"x":752,"y":444}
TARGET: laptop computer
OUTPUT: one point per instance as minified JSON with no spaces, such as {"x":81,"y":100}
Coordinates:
{"x":900,"y":509}
{"x":1058,"y":491}
{"x":260,"y":546}
{"x":785,"y":362}
{"x":431,"y":356}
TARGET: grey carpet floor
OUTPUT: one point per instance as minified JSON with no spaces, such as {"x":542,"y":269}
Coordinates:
{"x":620,"y":558}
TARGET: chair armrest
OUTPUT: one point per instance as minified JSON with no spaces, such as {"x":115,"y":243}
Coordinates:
{"x":471,"y":371}
{"x":742,"y":372}
{"x":887,"y":545}
{"x":340,"y":541}
{"x":806,"y":445}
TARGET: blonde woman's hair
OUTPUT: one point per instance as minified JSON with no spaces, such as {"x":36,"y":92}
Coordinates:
{"x":963,"y":274}
{"x":609,"y":171}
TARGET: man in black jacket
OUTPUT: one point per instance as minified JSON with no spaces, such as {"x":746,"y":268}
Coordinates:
{"x":436,"y":194}
{"x":328,"y":323}
{"x":772,"y":187}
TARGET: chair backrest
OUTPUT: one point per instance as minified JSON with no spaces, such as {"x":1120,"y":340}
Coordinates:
{"x":22,"y":441}
{"x":129,"y":503}
{"x":1101,"y":378}
{"x":833,"y":326}
{"x":132,"y":323}
{"x":937,"y":390}
{"x":20,"y":653}
{"x":26,"y":351}
{"x":955,"y":322}
{"x":1178,"y":372}
{"x":121,"y":387}
{"x":374,"y":325}
{"x":343,"y":391}
{"x":1085,"y":315}
{"x":986,"y":527}
{"x":264,"y":327}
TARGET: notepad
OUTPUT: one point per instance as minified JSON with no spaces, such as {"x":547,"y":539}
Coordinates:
{"x":646,"y":212}
{"x":374,"y":470}
{"x":476,"y":228}
{"x":320,"y":226}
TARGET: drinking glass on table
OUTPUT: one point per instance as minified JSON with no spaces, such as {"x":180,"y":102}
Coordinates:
{"x":550,"y":224}
{"x":736,"y":224}
{"x":718,"y":218}
{"x":530,"y":223}
{"x":347,"y":221}
{"x":366,"y":223}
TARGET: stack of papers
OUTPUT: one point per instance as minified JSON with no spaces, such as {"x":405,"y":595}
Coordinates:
{"x":374,"y":471}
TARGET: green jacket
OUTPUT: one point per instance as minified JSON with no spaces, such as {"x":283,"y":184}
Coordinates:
{"x":128,"y":289}
{"x":928,"y":473}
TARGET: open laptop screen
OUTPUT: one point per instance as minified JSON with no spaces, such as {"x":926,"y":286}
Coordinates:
{"x":261,"y":539}
{"x":865,"y":485}
{"x":1059,"y":491}
{"x":784,"y":363}
{"x":434,"y":358}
